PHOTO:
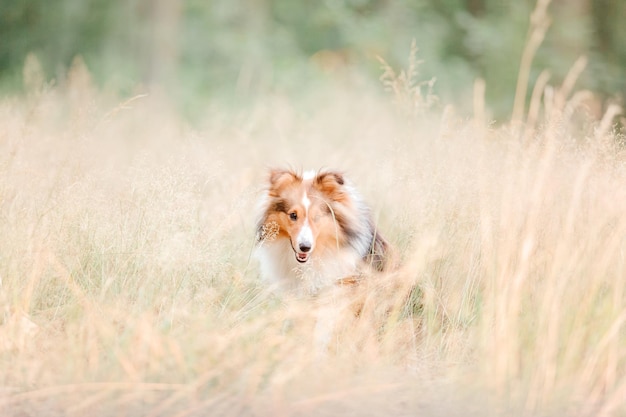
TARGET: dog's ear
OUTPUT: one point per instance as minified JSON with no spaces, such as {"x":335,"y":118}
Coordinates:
{"x":278,"y":178}
{"x":331,"y":183}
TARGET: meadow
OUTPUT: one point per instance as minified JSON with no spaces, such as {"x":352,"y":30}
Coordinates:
{"x":127,"y":285}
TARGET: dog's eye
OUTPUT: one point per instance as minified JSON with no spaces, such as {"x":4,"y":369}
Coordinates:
{"x":293,"y":216}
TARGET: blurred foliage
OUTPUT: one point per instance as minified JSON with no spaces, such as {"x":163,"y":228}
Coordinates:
{"x":199,"y":50}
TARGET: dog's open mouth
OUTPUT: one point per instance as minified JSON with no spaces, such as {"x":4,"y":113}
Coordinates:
{"x":302,"y":257}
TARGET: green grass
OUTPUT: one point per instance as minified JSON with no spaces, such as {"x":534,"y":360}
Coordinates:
{"x":128,"y":287}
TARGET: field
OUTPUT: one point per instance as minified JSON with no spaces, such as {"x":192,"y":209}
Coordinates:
{"x":128,"y":286}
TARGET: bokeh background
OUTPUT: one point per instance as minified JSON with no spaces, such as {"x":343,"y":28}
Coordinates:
{"x":198,"y":51}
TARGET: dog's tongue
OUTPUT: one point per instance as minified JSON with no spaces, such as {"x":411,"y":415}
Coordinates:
{"x":302,"y":257}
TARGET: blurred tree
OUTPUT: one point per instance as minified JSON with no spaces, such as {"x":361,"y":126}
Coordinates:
{"x":610,"y":43}
{"x":163,"y":18}
{"x":476,"y":7}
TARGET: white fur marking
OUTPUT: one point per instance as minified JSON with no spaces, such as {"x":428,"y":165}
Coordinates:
{"x":308,"y":175}
{"x":306,"y":203}
{"x":306,"y":235}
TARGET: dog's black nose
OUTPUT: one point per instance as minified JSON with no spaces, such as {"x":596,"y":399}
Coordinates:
{"x":305,"y":247}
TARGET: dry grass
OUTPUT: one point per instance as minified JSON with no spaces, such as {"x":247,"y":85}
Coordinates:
{"x":127,"y":286}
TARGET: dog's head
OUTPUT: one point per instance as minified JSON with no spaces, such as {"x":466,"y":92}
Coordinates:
{"x":303,"y":208}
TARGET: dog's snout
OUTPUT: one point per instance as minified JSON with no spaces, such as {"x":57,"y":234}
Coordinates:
{"x":305,"y":247}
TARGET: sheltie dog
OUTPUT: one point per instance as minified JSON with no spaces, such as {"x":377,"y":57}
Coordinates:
{"x":314,"y":231}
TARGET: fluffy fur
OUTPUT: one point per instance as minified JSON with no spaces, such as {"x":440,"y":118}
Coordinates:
{"x":314,"y":230}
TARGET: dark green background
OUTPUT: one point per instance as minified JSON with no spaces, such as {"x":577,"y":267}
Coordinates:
{"x":205,"y":50}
